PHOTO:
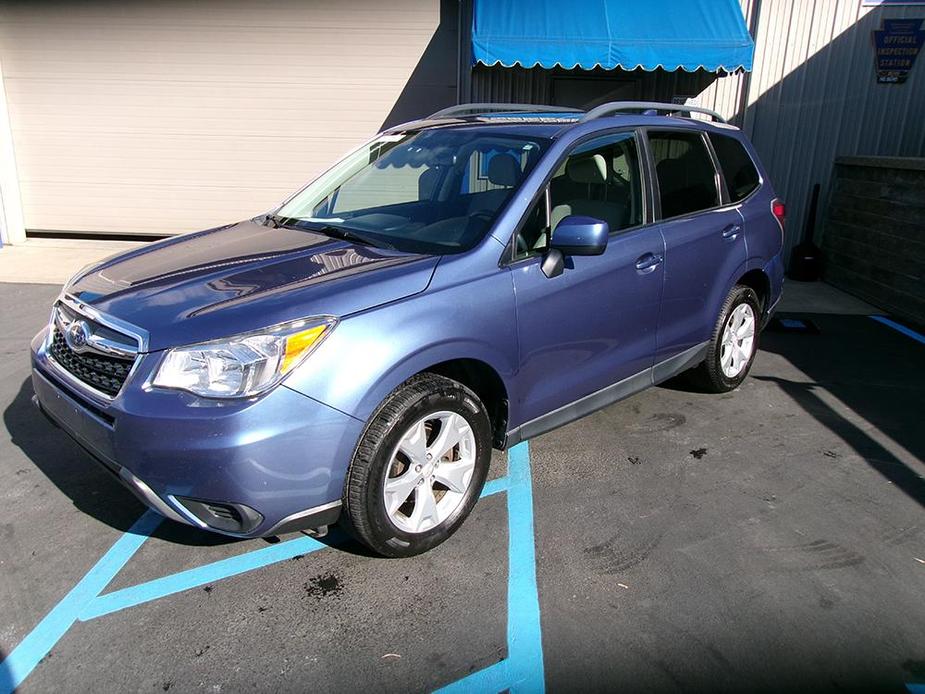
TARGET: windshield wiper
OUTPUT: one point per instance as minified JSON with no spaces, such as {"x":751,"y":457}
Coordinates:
{"x":345,"y":233}
{"x":348,"y":234}
{"x":277,"y":222}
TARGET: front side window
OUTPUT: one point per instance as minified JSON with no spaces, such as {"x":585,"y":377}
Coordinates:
{"x":739,"y":170}
{"x":685,"y":173}
{"x":600,"y":179}
{"x":433,"y":191}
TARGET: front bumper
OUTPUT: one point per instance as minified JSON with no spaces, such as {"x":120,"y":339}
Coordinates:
{"x":245,"y":468}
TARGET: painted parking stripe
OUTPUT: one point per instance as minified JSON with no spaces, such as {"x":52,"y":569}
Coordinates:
{"x":200,"y":576}
{"x":84,"y":602}
{"x":17,"y":666}
{"x":522,"y":670}
{"x":216,"y":571}
{"x":899,"y":327}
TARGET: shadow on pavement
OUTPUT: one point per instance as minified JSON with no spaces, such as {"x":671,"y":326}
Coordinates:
{"x":91,"y":488}
{"x":873,"y":371}
{"x":96,"y":492}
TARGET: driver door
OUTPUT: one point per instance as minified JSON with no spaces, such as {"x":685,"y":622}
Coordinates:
{"x":594,"y":325}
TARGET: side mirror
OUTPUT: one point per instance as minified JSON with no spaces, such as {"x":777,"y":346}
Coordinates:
{"x":575,"y":235}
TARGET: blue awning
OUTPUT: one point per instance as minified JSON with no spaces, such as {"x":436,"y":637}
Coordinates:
{"x":627,"y":34}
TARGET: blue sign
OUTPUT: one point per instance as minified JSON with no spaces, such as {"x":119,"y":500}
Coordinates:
{"x":896,"y":45}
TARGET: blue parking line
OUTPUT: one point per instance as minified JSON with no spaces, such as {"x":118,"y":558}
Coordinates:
{"x":899,"y":327}
{"x":522,"y":670}
{"x":84,"y":602}
{"x":200,"y":576}
{"x":18,"y":664}
{"x":216,"y":571}
{"x":494,"y":487}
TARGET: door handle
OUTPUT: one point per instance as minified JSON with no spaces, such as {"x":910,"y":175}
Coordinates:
{"x":647,"y":262}
{"x":731,"y":231}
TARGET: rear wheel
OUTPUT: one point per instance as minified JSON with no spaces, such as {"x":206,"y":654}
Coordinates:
{"x":734,"y":342}
{"x":419,"y":468}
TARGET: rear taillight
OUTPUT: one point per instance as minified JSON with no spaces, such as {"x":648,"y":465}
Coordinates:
{"x":779,"y":210}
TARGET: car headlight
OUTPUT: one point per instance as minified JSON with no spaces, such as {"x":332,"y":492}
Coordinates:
{"x":243,"y":365}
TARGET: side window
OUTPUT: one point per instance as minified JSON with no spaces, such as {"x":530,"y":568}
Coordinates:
{"x":739,"y":171}
{"x":599,"y":179}
{"x":685,"y":173}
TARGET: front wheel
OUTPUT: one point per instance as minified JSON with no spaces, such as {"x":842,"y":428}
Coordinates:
{"x":419,"y":468}
{"x":733,"y":344}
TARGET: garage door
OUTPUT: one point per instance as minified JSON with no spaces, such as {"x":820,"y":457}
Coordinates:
{"x":156,"y":118}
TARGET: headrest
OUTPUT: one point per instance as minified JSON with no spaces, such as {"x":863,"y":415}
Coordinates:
{"x":504,"y":170}
{"x":426,"y":183}
{"x":671,"y":172}
{"x":591,"y":169}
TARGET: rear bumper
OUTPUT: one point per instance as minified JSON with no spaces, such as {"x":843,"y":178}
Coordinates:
{"x":246,"y":469}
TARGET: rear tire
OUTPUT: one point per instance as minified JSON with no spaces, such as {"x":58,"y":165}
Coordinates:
{"x":404,"y":493}
{"x":733,"y":344}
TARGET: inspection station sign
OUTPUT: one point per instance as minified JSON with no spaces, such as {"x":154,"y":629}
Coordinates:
{"x":896,"y":44}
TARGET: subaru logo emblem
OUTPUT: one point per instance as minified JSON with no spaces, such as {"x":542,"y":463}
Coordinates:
{"x":77,"y":335}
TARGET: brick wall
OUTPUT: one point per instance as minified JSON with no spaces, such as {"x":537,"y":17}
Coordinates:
{"x":874,"y":232}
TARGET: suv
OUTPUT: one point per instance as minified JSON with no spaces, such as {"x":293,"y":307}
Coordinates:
{"x":457,"y":283}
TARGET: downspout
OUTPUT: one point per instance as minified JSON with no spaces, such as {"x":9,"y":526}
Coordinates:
{"x":463,"y":51}
{"x":747,"y":78}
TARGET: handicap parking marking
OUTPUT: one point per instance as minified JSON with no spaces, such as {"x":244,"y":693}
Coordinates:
{"x":899,"y":327}
{"x":36,"y":645}
{"x":521,"y":671}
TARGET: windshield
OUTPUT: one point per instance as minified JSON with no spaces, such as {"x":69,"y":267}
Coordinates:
{"x":433,"y":191}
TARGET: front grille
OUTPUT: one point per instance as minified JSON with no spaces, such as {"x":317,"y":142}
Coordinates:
{"x":105,"y":373}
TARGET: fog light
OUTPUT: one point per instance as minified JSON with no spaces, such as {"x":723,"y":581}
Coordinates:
{"x":229,"y":518}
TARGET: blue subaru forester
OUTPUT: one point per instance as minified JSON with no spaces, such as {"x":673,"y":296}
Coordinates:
{"x":455,"y":284}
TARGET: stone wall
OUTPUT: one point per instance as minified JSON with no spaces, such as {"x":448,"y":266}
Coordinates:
{"x":874,"y":233}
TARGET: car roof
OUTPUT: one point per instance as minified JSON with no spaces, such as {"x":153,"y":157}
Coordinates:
{"x":551,"y":122}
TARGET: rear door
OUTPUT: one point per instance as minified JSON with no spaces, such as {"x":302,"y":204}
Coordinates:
{"x":704,"y":238}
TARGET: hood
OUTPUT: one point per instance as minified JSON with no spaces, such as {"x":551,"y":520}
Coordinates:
{"x":243,"y":277}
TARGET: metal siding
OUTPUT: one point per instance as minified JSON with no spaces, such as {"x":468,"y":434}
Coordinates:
{"x":813,"y":96}
{"x":169,"y":116}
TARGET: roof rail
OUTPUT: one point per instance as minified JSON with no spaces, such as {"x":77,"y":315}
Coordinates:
{"x":476,"y":109}
{"x":617,"y":106}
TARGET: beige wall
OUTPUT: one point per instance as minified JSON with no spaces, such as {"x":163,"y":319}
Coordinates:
{"x":163,"y":117}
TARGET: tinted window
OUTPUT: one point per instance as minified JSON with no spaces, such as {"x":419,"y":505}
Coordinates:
{"x":685,"y":173}
{"x":599,"y":179}
{"x":738,"y":170}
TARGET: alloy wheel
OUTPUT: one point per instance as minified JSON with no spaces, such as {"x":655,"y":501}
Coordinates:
{"x":738,"y":340}
{"x":429,"y":472}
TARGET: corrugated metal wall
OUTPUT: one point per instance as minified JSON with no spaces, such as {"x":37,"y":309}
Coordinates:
{"x":811,"y":97}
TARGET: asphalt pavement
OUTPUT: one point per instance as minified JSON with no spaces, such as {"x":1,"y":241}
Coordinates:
{"x":769,"y":539}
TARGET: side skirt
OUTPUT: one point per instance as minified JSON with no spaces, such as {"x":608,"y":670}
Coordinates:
{"x":608,"y":396}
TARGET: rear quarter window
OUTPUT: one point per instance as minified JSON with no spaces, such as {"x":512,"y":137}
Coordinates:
{"x":739,"y":171}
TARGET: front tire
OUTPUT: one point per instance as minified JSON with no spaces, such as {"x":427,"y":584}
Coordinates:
{"x":419,"y":468}
{"x":733,"y":344}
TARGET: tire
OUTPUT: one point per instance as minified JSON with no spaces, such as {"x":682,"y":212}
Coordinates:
{"x":407,"y":428}
{"x":717,"y":374}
